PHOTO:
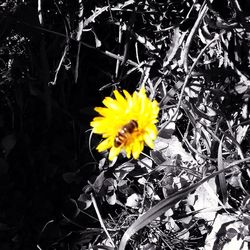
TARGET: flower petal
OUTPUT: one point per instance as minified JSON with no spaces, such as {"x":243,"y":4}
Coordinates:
{"x":111,"y":103}
{"x":105,"y":144}
{"x":137,"y":149}
{"x":113,"y":153}
{"x":120,"y":98}
{"x":103,"y":111}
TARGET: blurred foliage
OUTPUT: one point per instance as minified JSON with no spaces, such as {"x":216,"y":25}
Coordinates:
{"x":58,"y":59}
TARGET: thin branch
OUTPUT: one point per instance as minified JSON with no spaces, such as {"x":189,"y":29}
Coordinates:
{"x":191,"y":35}
{"x":117,"y":61}
{"x":39,"y":10}
{"x":79,"y":30}
{"x":66,"y":48}
{"x":100,"y":219}
{"x":78,"y":37}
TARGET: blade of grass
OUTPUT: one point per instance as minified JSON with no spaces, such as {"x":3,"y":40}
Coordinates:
{"x":165,"y":204}
{"x":99,"y":247}
{"x":232,"y":138}
{"x":221,"y":176}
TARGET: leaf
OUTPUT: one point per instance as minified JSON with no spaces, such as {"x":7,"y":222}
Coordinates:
{"x":222,"y":179}
{"x":149,"y":246}
{"x":122,"y":171}
{"x":241,"y":88}
{"x":133,"y":200}
{"x":98,"y":184}
{"x":84,"y":200}
{"x":241,"y":133}
{"x":111,"y":199}
{"x":175,"y":45}
{"x":98,"y":42}
{"x":146,"y":162}
{"x":157,"y":157}
{"x":167,"y":132}
{"x":231,"y":232}
{"x":193,"y":91}
{"x":246,"y":220}
{"x":172,"y":147}
{"x":246,"y":203}
{"x":109,"y":188}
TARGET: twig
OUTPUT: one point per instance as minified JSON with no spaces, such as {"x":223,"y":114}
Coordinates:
{"x":80,"y":22}
{"x":110,"y":12}
{"x":60,"y":65}
{"x":117,"y":57}
{"x":78,"y":37}
{"x":100,"y":219}
{"x":137,"y":53}
{"x":66,"y":48}
{"x":39,"y":236}
{"x":117,"y":61}
{"x":90,"y":150}
{"x":39,"y":10}
{"x":191,"y":35}
{"x":94,"y":15}
{"x":177,"y":41}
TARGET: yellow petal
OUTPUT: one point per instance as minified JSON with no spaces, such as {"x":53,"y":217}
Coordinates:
{"x":105,"y":144}
{"x":111,"y":103}
{"x":148,"y":140}
{"x":137,"y":149}
{"x":103,"y":111}
{"x":129,"y":99}
{"x":114,"y":152}
{"x":149,"y":136}
{"x":128,"y":151}
{"x":98,"y":127}
{"x":142,"y":91}
{"x":120,"y":98}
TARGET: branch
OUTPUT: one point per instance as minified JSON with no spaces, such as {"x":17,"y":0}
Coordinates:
{"x":78,"y":37}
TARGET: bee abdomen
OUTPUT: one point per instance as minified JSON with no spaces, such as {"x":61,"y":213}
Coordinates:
{"x":124,"y":132}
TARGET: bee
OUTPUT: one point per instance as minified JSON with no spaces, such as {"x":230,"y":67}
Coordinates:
{"x":124,"y":132}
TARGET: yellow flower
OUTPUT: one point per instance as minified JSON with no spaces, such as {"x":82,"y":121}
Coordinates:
{"x":126,"y":123}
